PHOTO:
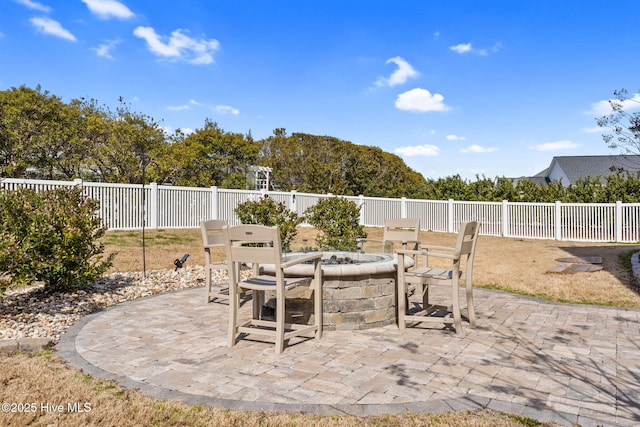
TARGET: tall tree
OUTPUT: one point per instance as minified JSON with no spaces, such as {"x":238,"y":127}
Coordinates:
{"x":125,"y":142}
{"x":210,"y":156}
{"x":624,"y":125}
{"x":324,"y":164}
{"x":34,"y":128}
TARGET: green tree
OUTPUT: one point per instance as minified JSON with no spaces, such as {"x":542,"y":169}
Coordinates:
{"x":623,"y":187}
{"x":451,"y":187}
{"x":267,"y":211}
{"x":482,"y":189}
{"x":338,"y":221}
{"x":324,"y":164}
{"x":586,"y":190}
{"x":135,"y":141}
{"x":35,"y":129}
{"x":43,"y":137}
{"x":210,"y":156}
{"x":505,"y":190}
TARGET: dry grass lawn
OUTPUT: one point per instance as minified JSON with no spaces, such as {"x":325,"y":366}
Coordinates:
{"x":510,"y":264}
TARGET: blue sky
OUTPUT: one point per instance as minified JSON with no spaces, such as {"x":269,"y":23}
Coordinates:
{"x":494,"y":88}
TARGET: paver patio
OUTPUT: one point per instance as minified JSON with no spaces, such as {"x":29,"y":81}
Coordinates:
{"x":554,"y":362}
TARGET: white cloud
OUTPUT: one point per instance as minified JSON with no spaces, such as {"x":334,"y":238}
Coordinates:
{"x":404,"y":72}
{"x":455,"y":138}
{"x":179,"y":46}
{"x":602,"y":108}
{"x":52,"y":27}
{"x":34,"y":5}
{"x":493,"y":49}
{"x":178,"y":107}
{"x":420,"y":100}
{"x":106,"y":9}
{"x":477,"y":149}
{"x":595,"y":129}
{"x":463,"y":48}
{"x":554,"y":146}
{"x":225,"y":109}
{"x":418,"y":150}
{"x":104,"y":50}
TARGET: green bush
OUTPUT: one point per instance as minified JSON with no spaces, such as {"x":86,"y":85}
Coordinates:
{"x":267,"y":211}
{"x":338,"y":220}
{"x":52,"y":237}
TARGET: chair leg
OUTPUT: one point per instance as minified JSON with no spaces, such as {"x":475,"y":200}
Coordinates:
{"x":207,"y":284}
{"x":402,"y":302}
{"x":425,"y":296}
{"x":470,"y":307}
{"x":280,"y":307}
{"x":317,"y":306}
{"x":234,"y":303}
{"x":256,"y":302}
{"x":455,"y":296}
{"x":402,"y":296}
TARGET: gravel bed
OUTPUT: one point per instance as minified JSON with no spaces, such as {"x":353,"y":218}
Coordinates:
{"x":32,"y":313}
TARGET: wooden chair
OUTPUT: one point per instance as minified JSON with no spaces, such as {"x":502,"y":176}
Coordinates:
{"x":258,"y":244}
{"x":422,"y":277}
{"x":213,"y":237}
{"x":403,"y":230}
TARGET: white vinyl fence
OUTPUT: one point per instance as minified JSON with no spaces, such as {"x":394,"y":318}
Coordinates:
{"x":131,"y":206}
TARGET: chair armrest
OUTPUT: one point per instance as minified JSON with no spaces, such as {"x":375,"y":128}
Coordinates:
{"x":410,"y":252}
{"x":301,"y":259}
{"x":408,"y":243}
{"x":428,"y":253}
{"x":439,"y":248}
{"x":441,"y":255}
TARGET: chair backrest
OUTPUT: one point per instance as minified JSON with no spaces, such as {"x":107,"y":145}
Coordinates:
{"x":256,"y":244}
{"x":402,"y":230}
{"x":466,"y":244}
{"x":212,"y":232}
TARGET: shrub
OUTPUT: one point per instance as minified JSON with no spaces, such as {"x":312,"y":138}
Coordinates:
{"x":267,"y":211}
{"x":338,"y":220}
{"x":51,"y":236}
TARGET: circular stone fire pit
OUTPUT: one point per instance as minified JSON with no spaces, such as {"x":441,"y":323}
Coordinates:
{"x":359,"y":290}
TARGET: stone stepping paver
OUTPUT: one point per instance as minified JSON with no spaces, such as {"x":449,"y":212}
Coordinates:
{"x":570,"y":364}
{"x":571,"y":265}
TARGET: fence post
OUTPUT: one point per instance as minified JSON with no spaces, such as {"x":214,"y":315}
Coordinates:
{"x":77,"y":182}
{"x":360,"y":207}
{"x":618,"y":221}
{"x":558,"y":222}
{"x":292,"y":202}
{"x":450,"y":216}
{"x":154,"y":210}
{"x":403,"y":207}
{"x":505,"y":218}
{"x":214,"y":202}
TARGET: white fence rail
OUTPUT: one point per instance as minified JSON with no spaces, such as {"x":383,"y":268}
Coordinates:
{"x":131,"y":206}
